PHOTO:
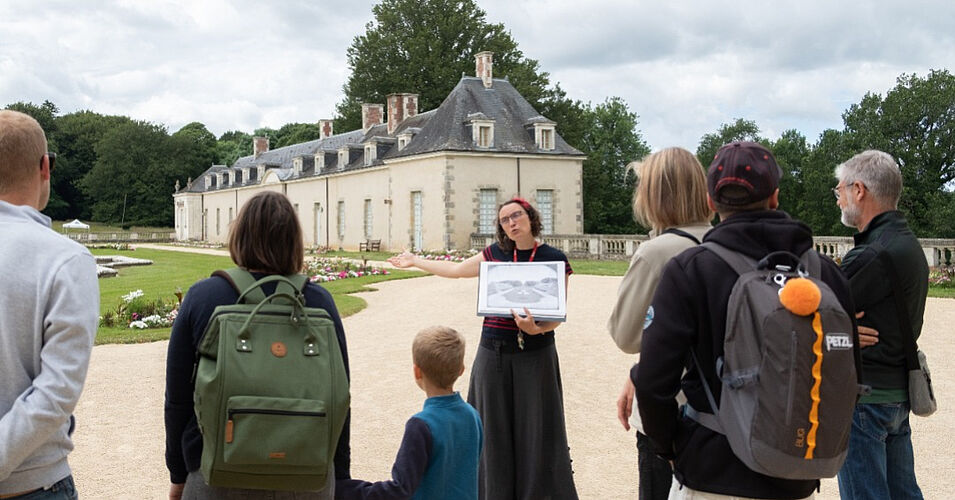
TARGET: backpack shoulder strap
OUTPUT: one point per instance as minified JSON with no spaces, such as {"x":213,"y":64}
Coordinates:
{"x":241,"y":280}
{"x":813,"y":263}
{"x":680,"y":232}
{"x":739,"y":262}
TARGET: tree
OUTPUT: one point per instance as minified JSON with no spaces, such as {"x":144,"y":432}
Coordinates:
{"x":77,"y":135}
{"x":233,"y":145}
{"x":611,"y":142}
{"x":133,"y":179}
{"x":791,"y":150}
{"x":424,"y":46}
{"x":740,"y":130}
{"x":816,"y":205}
{"x":295,"y":133}
{"x":204,"y":152}
{"x":915,"y":123}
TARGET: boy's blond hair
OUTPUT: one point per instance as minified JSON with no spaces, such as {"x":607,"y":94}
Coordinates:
{"x":439,"y":352}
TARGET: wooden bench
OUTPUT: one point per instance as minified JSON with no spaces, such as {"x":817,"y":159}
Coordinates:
{"x":370,"y":246}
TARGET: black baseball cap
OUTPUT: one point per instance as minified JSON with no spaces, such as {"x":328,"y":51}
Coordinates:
{"x":748,"y":165}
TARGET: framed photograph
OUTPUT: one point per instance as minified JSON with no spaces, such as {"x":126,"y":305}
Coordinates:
{"x":538,"y":286}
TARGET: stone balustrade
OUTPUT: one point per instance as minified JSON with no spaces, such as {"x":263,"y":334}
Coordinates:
{"x":938,"y":252}
{"x":124,"y":237}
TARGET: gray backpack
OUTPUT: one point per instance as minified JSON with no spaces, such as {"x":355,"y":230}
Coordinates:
{"x":787,"y":392}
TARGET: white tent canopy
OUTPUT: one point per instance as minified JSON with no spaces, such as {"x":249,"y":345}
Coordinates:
{"x":76,"y":224}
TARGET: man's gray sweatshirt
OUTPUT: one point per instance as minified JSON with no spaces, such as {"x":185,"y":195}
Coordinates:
{"x":49,"y":310}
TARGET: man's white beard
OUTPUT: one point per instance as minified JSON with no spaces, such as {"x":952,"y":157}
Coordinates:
{"x":850,"y":215}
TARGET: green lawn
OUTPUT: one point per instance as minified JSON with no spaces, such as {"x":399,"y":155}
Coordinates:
{"x":355,"y":255}
{"x":600,"y":267}
{"x":172,"y":270}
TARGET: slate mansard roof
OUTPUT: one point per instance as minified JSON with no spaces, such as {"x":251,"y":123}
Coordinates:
{"x":446,"y":128}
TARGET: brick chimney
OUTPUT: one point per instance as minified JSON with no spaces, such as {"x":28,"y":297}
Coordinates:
{"x":371,"y":115}
{"x":325,"y":128}
{"x":483,"y":67}
{"x":259,"y":145}
{"x":400,"y":107}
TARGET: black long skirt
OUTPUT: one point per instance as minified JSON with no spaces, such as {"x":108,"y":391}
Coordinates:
{"x":520,"y":399}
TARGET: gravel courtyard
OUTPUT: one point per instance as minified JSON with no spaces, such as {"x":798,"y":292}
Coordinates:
{"x":120,"y":441}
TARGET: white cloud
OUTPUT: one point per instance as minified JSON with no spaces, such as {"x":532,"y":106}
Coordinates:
{"x":685,"y":68}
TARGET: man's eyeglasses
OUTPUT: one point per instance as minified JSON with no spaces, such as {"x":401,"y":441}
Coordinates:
{"x":514,"y":216}
{"x":52,"y":157}
{"x":837,"y":191}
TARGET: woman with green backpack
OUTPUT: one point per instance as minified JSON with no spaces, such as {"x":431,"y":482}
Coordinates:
{"x":265,"y":240}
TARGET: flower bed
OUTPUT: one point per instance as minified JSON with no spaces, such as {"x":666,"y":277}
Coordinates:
{"x":447,"y":255}
{"x":136,"y":311}
{"x":322,"y":269}
{"x":942,"y":277}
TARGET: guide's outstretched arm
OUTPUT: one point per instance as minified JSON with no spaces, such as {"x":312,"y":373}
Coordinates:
{"x":466,"y":269}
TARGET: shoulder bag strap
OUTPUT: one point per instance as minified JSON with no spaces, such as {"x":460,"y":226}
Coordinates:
{"x":680,"y":232}
{"x":241,"y":280}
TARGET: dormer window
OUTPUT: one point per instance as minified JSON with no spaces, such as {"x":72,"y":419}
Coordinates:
{"x":342,"y":158}
{"x":260,"y":173}
{"x":482,"y":130}
{"x":403,"y":140}
{"x":218,"y":179}
{"x":297,"y":166}
{"x":319,"y":162}
{"x":246,"y":174}
{"x":209,"y":182}
{"x":544,"y":137}
{"x":371,"y":152}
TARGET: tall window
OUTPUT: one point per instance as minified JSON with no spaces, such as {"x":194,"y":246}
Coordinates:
{"x":217,"y":222}
{"x":417,"y":213}
{"x":341,"y":220}
{"x":547,"y":139}
{"x":487,"y":211}
{"x":368,"y":226}
{"x":545,"y":205}
{"x":230,"y":215}
{"x":484,"y":136}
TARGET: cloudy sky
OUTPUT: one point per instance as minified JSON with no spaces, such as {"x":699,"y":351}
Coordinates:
{"x":684,"y":67}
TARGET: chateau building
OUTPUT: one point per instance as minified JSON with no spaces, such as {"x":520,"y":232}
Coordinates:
{"x":416,"y":180}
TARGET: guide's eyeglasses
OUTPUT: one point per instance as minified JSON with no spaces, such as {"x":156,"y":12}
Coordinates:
{"x":514,"y":216}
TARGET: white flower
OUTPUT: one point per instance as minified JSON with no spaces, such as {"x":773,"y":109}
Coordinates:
{"x":138,"y":324}
{"x":129,"y":297}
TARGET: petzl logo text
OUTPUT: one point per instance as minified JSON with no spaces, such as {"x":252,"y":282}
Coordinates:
{"x":838,"y":342}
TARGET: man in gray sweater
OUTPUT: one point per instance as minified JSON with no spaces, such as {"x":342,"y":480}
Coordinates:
{"x":49,"y":307}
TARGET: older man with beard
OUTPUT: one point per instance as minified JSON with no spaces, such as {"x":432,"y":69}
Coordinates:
{"x":880,"y":463}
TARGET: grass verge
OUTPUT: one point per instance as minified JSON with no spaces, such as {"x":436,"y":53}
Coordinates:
{"x":171,"y":270}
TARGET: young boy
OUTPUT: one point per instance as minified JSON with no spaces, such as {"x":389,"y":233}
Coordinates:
{"x":439,"y":453}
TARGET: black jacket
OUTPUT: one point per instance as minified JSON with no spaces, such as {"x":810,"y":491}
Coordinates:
{"x":883,"y":364}
{"x":689,"y":312}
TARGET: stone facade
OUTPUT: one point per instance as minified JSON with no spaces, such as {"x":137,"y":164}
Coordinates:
{"x":416,"y":181}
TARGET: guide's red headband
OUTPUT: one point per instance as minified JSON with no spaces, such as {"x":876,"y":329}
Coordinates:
{"x":522,"y":202}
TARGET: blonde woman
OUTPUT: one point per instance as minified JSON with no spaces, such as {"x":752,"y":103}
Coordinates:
{"x":670,"y":197}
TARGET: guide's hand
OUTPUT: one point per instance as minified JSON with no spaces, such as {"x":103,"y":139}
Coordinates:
{"x":526,"y":323}
{"x":403,"y":260}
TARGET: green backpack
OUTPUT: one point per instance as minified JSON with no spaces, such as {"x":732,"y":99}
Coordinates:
{"x":271,"y":390}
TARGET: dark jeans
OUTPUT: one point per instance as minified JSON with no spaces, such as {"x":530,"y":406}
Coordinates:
{"x":63,"y":489}
{"x":656,"y":475}
{"x":880,"y":463}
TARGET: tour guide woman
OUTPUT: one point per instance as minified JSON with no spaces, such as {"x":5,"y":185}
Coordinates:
{"x":515,"y":380}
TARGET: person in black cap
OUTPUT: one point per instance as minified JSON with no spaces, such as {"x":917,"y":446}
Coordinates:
{"x":690,"y":307}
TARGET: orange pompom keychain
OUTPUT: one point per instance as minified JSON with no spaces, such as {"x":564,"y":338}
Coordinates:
{"x":801,"y":296}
